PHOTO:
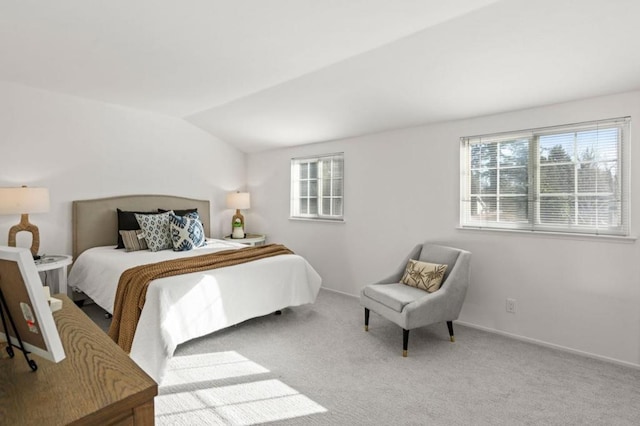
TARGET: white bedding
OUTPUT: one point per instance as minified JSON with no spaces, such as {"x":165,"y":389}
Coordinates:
{"x":183,"y":307}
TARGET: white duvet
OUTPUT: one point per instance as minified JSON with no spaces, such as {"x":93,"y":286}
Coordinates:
{"x":183,"y":307}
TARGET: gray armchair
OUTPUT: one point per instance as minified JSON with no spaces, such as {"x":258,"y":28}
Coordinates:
{"x":410,"y":307}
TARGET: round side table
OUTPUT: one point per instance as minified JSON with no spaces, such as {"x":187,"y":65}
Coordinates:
{"x":58,"y":264}
{"x":249,"y":239}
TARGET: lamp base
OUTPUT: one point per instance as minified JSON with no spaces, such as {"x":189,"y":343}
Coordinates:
{"x":237,"y":231}
{"x":24,"y":225}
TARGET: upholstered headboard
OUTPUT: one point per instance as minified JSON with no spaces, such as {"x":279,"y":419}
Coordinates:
{"x":95,"y":222}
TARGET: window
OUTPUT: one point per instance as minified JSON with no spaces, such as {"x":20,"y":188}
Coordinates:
{"x":564,"y":179}
{"x":316,"y":187}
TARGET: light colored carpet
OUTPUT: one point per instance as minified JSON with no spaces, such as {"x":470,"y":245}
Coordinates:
{"x":315,"y":365}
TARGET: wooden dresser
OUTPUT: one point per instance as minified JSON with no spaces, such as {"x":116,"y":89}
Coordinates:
{"x":96,"y":384}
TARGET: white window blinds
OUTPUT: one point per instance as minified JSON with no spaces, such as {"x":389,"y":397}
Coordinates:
{"x":317,"y":187}
{"x":565,"y":179}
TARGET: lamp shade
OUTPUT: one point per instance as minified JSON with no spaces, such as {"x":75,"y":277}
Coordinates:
{"x":24,"y":200}
{"x":239,"y":200}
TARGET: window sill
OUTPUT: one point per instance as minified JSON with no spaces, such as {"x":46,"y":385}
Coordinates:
{"x":548,"y":234}
{"x":305,"y":219}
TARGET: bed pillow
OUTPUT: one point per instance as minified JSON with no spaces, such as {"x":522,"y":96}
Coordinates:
{"x":156,"y":230}
{"x":133,"y":240}
{"x":179,"y":212}
{"x":184,"y":212}
{"x":187,"y":231}
{"x":127,"y":222}
{"x":423,"y":275}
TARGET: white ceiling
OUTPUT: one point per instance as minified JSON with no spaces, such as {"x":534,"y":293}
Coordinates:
{"x":269,"y":73}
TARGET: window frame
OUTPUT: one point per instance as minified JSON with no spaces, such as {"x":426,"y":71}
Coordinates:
{"x":534,"y":194}
{"x":319,"y":195}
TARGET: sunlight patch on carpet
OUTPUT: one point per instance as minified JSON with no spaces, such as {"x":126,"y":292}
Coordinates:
{"x":249,"y":403}
{"x":243,"y":404}
{"x":206,"y":367}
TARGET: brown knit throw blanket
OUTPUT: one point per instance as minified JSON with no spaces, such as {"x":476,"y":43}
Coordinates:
{"x":132,"y":287}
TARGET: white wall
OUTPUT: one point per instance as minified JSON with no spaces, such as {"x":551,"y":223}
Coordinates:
{"x":402,"y":188}
{"x":83,"y":149}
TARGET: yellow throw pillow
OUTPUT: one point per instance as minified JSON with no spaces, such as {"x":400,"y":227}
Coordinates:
{"x":423,"y":275}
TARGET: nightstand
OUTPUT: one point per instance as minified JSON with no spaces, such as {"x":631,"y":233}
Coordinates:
{"x":249,"y":239}
{"x":58,"y":264}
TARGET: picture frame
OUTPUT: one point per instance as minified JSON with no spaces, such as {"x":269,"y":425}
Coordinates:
{"x":26,"y":308}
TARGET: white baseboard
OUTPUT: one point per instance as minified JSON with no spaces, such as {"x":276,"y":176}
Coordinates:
{"x":339,"y":292}
{"x":526,"y":339}
{"x":550,"y":345}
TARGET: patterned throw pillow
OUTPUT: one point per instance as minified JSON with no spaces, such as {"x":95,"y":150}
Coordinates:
{"x":186,"y":232}
{"x":423,"y":275}
{"x":156,"y":230}
{"x":133,"y":240}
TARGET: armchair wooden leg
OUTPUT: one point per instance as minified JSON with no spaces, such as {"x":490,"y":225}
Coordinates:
{"x":366,"y":319}
{"x":450,"y":327}
{"x":405,"y":342}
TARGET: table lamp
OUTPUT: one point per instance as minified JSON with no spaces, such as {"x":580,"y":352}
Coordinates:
{"x":238,"y":201}
{"x":23,"y":201}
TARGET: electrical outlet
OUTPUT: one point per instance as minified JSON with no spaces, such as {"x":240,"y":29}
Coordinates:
{"x":511,"y":306}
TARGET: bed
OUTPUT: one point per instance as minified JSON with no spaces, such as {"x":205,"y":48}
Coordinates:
{"x":183,"y":307}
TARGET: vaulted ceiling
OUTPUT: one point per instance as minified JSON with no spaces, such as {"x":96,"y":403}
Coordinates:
{"x":262,"y":74}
